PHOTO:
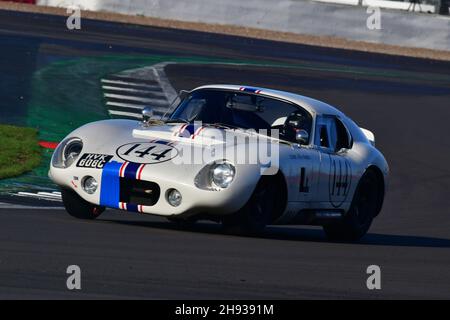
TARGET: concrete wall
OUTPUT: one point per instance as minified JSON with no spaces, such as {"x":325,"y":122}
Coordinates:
{"x":304,"y":17}
{"x":388,"y":4}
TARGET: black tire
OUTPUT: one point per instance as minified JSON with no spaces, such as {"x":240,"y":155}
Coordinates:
{"x":363,"y":209}
{"x":257,"y":212}
{"x":78,"y":207}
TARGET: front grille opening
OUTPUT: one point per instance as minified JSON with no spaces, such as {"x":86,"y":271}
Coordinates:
{"x":139,"y":192}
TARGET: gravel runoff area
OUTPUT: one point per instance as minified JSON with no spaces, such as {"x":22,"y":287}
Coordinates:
{"x":321,"y":41}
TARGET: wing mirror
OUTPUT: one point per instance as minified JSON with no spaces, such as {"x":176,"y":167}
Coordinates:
{"x":302,"y":136}
{"x":147,"y":115}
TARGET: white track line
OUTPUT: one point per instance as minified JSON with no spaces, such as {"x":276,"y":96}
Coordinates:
{"x":138,"y":107}
{"x":134,"y":106}
{"x":134,"y":84}
{"x":127,"y":114}
{"x":133,"y":98}
{"x":17,"y":206}
{"x":39,"y":196}
{"x":125,"y":105}
{"x":156,"y":93}
{"x":52,"y":194}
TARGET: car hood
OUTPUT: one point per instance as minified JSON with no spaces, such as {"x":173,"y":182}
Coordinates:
{"x":117,"y":137}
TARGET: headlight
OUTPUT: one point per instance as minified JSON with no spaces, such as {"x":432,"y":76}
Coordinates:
{"x":222,"y":174}
{"x":67,"y":152}
{"x":71,"y":152}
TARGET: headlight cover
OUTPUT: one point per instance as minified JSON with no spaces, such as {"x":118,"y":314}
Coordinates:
{"x":222,"y":174}
{"x":215,"y":176}
{"x":174,"y":197}
{"x":67,"y":152}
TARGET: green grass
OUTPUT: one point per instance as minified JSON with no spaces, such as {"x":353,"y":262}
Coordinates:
{"x":19,"y":152}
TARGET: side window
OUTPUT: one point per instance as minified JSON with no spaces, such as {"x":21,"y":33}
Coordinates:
{"x":324,"y":136}
{"x":324,"y":141}
{"x":343,"y":137}
{"x":331,"y":134}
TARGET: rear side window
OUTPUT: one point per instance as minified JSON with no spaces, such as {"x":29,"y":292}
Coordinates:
{"x":332,"y":134}
{"x":324,"y":141}
{"x":343,"y":136}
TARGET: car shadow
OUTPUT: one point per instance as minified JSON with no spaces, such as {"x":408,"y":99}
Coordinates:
{"x":294,"y":233}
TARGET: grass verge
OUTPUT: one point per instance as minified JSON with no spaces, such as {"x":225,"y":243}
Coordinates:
{"x":20,"y":151}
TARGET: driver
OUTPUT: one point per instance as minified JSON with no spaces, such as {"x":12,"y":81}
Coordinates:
{"x":295,"y":122}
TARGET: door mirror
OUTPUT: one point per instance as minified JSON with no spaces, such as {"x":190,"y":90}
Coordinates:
{"x":302,"y":136}
{"x":147,"y":115}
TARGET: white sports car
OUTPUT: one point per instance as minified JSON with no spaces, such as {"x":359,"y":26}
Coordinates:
{"x":243,"y":156}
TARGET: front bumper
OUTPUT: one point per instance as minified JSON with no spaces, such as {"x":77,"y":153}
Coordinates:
{"x":112,"y":182}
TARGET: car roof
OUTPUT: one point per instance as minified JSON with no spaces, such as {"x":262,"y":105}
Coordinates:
{"x":312,"y":105}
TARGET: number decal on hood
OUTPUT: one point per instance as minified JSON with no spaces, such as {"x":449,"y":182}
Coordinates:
{"x":146,"y":152}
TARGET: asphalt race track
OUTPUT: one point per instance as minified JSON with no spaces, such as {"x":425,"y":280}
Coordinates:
{"x":404,"y":101}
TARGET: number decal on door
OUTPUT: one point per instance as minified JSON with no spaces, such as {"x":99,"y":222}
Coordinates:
{"x":340,"y":180}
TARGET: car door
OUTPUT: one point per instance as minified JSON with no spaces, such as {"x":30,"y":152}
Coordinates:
{"x":304,"y":166}
{"x":333,"y":141}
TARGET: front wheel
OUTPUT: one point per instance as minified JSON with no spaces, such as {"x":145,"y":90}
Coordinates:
{"x":257,"y":213}
{"x":363,"y":209}
{"x":78,"y":207}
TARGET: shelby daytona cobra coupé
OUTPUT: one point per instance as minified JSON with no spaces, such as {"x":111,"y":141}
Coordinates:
{"x":319,"y":167}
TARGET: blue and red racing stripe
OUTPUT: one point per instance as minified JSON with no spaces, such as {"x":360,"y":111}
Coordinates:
{"x":130,"y":207}
{"x":250,"y":89}
{"x":188,"y":130}
{"x":110,"y":187}
{"x":164,"y":142}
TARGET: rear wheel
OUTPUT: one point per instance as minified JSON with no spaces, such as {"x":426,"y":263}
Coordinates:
{"x":78,"y":207}
{"x":363,"y":209}
{"x":257,"y":213}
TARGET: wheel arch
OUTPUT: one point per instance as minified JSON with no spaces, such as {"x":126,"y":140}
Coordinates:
{"x":380,"y":177}
{"x":281,"y":196}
